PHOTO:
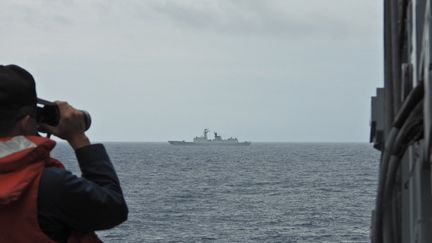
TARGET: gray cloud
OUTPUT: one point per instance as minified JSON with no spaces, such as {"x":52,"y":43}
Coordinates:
{"x":271,"y":17}
{"x":292,"y":19}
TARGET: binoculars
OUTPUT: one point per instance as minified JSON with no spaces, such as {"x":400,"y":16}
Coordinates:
{"x":48,"y":112}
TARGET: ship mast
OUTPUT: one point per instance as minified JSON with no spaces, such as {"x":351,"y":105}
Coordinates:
{"x":205,"y":133}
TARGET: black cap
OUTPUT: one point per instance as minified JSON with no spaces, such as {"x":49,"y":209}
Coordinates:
{"x":17,"y":92}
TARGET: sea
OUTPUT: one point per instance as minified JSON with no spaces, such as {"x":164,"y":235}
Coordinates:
{"x":266,"y":192}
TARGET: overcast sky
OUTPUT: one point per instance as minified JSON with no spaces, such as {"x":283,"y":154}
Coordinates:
{"x":157,"y":70}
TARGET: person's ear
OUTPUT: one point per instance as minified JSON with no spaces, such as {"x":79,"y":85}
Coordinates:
{"x":23,"y":123}
{"x":27,"y":125}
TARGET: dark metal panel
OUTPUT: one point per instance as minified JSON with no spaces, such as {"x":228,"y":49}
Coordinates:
{"x":396,"y":29}
{"x":420,"y":8}
{"x":388,"y":74}
{"x":428,"y":83}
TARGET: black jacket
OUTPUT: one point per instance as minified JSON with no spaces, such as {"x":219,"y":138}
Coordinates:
{"x":92,"y":202}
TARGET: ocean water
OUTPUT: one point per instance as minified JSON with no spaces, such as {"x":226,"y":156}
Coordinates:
{"x":269,"y":192}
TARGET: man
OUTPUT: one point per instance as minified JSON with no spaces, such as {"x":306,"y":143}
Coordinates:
{"x":40,"y":201}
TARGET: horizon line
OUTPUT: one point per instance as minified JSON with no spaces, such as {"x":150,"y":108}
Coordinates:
{"x":138,"y":141}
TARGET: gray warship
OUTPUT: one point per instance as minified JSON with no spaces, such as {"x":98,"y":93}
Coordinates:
{"x":218,"y":140}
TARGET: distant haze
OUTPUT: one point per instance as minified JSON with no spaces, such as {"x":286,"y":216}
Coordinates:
{"x":259,"y":70}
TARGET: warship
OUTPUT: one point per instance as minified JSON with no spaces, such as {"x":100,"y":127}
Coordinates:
{"x":218,"y":140}
{"x":401,"y":126}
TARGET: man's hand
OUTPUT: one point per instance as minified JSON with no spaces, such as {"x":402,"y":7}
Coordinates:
{"x":71,"y":126}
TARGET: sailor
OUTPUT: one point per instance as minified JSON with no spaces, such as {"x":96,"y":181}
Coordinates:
{"x":40,"y":201}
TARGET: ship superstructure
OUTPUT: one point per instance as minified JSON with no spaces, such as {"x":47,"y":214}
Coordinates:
{"x":205,"y":140}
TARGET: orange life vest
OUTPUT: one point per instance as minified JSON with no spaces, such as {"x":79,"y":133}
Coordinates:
{"x":22,"y":160}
